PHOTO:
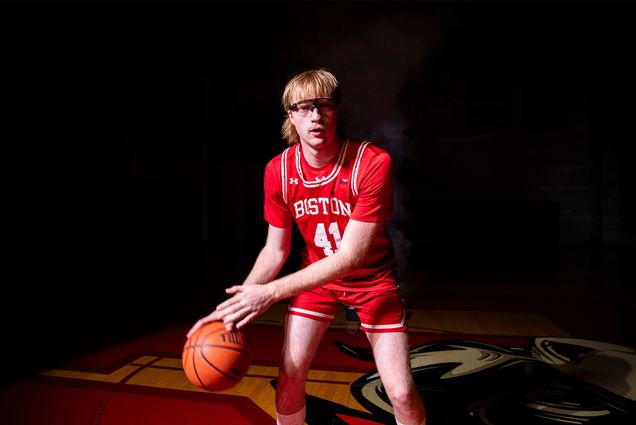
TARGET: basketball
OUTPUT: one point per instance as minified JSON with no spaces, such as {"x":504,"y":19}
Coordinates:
{"x":215,"y":359}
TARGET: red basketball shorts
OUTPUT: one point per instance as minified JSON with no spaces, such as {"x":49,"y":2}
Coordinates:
{"x":379,"y":311}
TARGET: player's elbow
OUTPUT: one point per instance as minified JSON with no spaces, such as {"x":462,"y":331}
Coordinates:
{"x":352,"y":258}
{"x":277,"y":255}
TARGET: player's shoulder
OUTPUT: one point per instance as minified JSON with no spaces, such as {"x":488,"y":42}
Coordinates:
{"x":369,"y":149}
{"x":276,"y":161}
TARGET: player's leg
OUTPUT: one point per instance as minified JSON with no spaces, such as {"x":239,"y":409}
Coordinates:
{"x":391,"y":353}
{"x":302,"y":337}
{"x":383,"y":318}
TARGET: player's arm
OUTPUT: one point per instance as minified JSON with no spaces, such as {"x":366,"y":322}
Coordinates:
{"x":251,"y":300}
{"x":356,"y":242}
{"x":272,"y":257}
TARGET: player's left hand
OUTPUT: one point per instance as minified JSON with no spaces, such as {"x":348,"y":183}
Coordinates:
{"x":248,"y":302}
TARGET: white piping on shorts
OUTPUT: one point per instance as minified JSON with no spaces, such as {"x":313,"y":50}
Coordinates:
{"x":389,"y":326}
{"x":311,"y":313}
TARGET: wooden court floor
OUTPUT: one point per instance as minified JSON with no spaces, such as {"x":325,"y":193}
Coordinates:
{"x":157,"y":368}
{"x":472,"y":367}
{"x":334,"y":385}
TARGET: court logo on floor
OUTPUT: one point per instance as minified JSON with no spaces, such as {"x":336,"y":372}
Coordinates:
{"x":548,"y":381}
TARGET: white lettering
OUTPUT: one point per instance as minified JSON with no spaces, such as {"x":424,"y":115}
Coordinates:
{"x":312,"y":206}
{"x":345,"y":208}
{"x":324,"y":202}
{"x":325,"y":206}
{"x":298,"y":206}
{"x":334,"y":206}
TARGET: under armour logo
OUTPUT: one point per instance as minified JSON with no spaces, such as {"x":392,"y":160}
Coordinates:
{"x":293,"y":180}
{"x":321,"y":178}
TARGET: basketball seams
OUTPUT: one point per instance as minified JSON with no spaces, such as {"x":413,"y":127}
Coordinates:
{"x":194,"y":359}
{"x":197,"y":358}
{"x":232,"y":377}
{"x":194,"y":368}
{"x":225,"y":347}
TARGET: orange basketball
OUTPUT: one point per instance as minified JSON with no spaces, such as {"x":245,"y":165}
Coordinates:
{"x":215,"y":359}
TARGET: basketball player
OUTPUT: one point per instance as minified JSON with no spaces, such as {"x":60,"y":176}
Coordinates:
{"x":339,"y":193}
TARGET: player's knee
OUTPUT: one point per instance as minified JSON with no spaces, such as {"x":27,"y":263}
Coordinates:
{"x":402,"y":397}
{"x":288,"y":372}
{"x":289,"y":376}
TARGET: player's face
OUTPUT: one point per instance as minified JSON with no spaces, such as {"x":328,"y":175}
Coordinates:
{"x":315,"y":120}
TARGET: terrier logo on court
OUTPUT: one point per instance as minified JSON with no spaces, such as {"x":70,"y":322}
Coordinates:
{"x":548,"y":381}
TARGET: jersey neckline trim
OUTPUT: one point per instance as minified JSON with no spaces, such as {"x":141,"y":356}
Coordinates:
{"x":332,"y":175}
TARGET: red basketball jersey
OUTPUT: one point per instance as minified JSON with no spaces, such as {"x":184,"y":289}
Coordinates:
{"x":358,"y":184}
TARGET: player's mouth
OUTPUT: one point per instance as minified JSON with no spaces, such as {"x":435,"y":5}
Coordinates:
{"x":317,"y":131}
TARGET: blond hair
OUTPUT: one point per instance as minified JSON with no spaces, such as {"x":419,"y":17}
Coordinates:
{"x":309,"y":85}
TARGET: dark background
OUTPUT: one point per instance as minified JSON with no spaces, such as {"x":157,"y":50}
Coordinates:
{"x":136,"y":134}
